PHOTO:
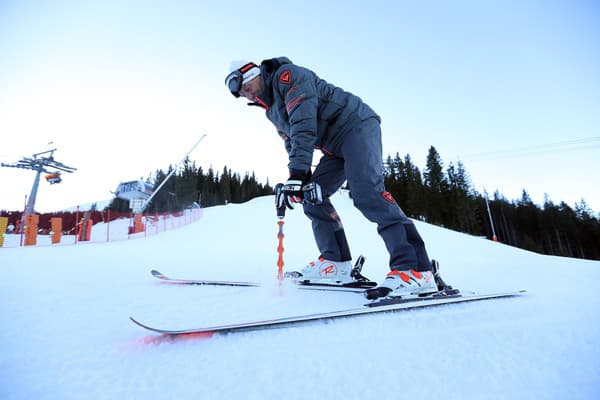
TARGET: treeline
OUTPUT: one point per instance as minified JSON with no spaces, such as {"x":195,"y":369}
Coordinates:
{"x":192,"y":186}
{"x":438,"y":195}
{"x":447,"y":198}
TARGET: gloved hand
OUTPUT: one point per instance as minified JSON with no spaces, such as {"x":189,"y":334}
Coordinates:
{"x":289,"y":193}
{"x":297,"y":189}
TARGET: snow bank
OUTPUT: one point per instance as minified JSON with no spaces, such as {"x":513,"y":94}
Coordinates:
{"x":66,"y":335}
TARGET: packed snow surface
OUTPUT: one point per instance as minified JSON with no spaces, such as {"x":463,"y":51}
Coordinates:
{"x":65,"y":332}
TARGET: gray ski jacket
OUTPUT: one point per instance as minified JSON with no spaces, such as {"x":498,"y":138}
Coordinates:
{"x":307,"y":111}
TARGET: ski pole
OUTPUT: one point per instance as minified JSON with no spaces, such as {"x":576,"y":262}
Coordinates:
{"x":280,"y":215}
{"x":280,"y":236}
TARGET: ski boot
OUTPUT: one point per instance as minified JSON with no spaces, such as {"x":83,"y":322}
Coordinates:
{"x":333,"y":272}
{"x":323,"y":270}
{"x":404,"y":283}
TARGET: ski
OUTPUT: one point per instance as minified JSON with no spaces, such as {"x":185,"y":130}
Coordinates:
{"x":379,"y":306}
{"x":354,"y":286}
{"x":176,"y":281}
{"x":359,"y":284}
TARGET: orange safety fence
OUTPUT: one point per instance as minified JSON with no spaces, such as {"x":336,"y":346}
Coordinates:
{"x":3,"y":225}
{"x":31,"y":229}
{"x":56,"y":232}
{"x":87,"y":226}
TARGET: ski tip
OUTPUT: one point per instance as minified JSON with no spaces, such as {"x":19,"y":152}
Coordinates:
{"x":172,"y":336}
{"x":137,"y":322}
{"x":157,"y":274}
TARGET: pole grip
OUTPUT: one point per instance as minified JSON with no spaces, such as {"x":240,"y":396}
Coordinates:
{"x":280,"y":208}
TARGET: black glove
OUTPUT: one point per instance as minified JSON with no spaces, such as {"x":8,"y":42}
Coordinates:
{"x":297,"y":190}
{"x":289,"y":193}
{"x":311,"y":193}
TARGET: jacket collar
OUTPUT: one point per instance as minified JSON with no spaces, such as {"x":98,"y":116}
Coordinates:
{"x":267,"y":73}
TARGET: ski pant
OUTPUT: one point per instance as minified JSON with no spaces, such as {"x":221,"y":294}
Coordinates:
{"x":361,"y":164}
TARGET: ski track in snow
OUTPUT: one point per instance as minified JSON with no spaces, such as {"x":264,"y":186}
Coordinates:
{"x":66,"y":333}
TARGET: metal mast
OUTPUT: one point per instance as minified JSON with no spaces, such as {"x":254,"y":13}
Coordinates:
{"x":148,"y":200}
{"x":494,"y":238}
{"x":39,"y":164}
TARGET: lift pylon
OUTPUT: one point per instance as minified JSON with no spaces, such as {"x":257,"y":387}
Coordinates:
{"x":40,"y":162}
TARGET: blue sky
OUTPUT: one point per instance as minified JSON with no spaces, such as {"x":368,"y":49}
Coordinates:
{"x":121,"y":88}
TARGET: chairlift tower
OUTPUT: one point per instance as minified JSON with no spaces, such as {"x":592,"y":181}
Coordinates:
{"x":40,"y":162}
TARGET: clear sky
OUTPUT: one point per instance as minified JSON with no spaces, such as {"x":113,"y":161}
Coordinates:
{"x":122,"y":88}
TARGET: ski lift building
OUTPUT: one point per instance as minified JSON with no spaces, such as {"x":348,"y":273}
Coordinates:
{"x":134,"y":190}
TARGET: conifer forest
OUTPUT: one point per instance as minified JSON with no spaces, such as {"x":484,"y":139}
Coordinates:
{"x":438,"y":195}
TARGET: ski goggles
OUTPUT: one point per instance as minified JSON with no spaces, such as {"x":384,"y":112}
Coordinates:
{"x":235,"y":80}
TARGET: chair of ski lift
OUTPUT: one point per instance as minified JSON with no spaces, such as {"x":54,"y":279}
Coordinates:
{"x":54,"y":178}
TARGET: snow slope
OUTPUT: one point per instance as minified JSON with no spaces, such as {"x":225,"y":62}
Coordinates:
{"x":66,"y":335}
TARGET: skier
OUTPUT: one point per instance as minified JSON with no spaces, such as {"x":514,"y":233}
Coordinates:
{"x":310,"y":113}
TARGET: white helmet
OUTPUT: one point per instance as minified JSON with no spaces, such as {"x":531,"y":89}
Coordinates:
{"x":241,"y":72}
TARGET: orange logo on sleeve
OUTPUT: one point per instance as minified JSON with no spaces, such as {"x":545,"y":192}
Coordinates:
{"x":285,"y":77}
{"x":388,"y":197}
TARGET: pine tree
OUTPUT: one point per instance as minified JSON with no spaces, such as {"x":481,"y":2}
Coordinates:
{"x":225,"y":186}
{"x":436,"y":186}
{"x":459,"y":200}
{"x":412,"y":189}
